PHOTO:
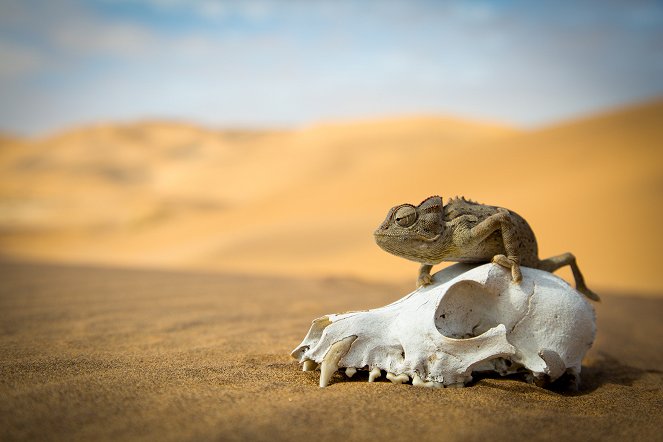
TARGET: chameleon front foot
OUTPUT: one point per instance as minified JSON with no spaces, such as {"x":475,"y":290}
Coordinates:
{"x":424,"y":278}
{"x":512,"y":263}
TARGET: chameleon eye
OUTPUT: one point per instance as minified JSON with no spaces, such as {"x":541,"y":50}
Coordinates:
{"x":406,"y":216}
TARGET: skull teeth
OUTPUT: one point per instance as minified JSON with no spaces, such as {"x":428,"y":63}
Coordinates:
{"x":336,"y":352}
{"x":329,"y":364}
{"x":398,"y":379}
{"x":374,"y":374}
{"x":418,"y":382}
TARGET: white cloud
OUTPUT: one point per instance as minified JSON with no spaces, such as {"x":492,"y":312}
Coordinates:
{"x":214,"y":10}
{"x":89,"y":37}
{"x":211,"y":9}
{"x":257,"y":63}
{"x":18,"y":60}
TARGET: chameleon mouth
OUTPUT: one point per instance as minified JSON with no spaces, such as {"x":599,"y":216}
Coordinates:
{"x":380,"y":234}
{"x":426,"y":239}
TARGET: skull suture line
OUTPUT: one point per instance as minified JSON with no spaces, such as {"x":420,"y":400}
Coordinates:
{"x":469,"y":320}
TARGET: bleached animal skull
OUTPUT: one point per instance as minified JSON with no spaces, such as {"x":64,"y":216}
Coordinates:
{"x":469,"y":320}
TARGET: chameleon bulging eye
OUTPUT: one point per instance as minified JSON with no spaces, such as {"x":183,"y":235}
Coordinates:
{"x":406,"y":216}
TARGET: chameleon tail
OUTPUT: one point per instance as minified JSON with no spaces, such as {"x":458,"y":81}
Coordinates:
{"x":554,"y":263}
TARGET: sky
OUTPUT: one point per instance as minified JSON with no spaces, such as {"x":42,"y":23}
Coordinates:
{"x":259,"y":63}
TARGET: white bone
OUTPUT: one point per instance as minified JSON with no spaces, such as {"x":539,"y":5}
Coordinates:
{"x":469,"y":319}
{"x":329,"y":363}
{"x":417,"y":382}
{"x":401,"y":378}
{"x":350,"y":371}
{"x":374,"y":374}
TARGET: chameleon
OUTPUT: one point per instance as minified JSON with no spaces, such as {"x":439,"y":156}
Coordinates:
{"x":466,"y":231}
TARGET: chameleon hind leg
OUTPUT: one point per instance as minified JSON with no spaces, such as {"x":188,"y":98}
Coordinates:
{"x":554,"y":263}
{"x":503,"y":223}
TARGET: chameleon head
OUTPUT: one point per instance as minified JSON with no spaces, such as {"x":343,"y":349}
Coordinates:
{"x":410,"y":231}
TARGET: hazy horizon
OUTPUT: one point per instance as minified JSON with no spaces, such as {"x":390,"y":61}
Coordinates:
{"x":284,"y":64}
{"x":255,"y":127}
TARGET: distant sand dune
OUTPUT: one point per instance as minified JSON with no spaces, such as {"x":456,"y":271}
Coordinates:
{"x":305,"y":202}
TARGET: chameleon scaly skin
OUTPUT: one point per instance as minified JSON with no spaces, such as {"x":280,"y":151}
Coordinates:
{"x":466,"y":231}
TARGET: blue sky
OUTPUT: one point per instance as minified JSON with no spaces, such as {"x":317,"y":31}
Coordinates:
{"x":257,"y":63}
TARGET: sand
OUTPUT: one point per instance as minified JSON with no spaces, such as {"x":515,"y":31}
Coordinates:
{"x":304,"y":202}
{"x":116,"y":354}
{"x":250,"y":235}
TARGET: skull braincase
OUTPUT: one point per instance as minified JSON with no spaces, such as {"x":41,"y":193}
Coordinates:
{"x":470,"y":319}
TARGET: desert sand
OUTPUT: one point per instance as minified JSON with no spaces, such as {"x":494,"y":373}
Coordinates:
{"x":305,"y":202}
{"x":154,"y":276}
{"x":116,"y":354}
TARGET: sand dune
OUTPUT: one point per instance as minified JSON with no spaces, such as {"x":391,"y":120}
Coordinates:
{"x":305,"y":202}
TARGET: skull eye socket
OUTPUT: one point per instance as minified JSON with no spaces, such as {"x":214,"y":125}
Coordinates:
{"x":406,"y":216}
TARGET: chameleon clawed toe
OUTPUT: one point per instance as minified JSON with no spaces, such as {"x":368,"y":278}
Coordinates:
{"x":425,"y":277}
{"x":511,"y":263}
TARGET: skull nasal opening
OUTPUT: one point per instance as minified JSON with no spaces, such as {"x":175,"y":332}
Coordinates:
{"x":466,"y":310}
